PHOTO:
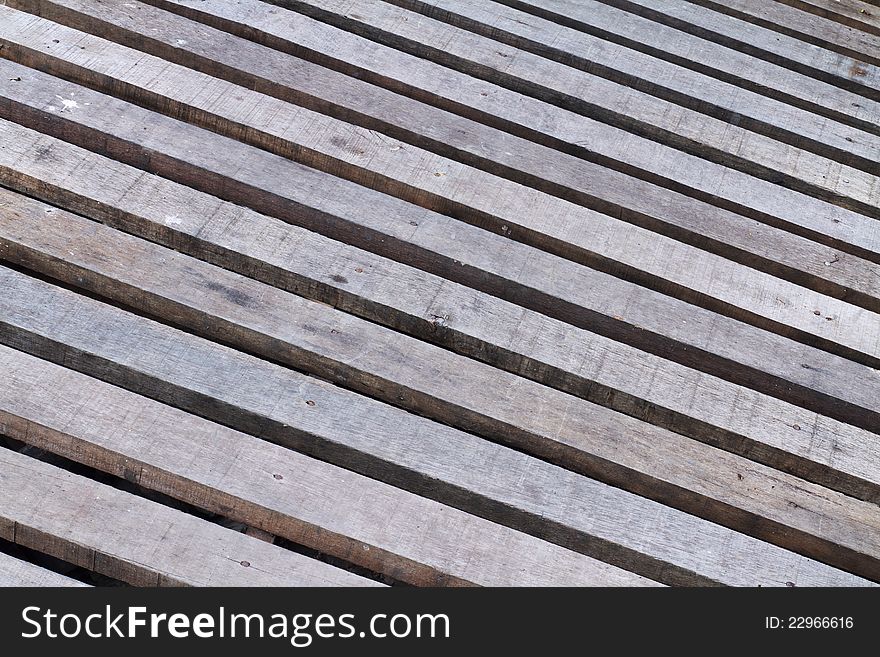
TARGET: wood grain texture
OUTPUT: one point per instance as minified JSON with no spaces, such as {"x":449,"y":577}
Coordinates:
{"x":702,"y":134}
{"x":15,"y":572}
{"x":798,"y":24}
{"x":457,"y":251}
{"x":421,"y":378}
{"x":835,"y":68}
{"x":662,"y":79}
{"x":852,"y":13}
{"x":539,"y":121}
{"x":402,"y":449}
{"x":551,"y":352}
{"x":140,"y":542}
{"x":336,"y":512}
{"x":704,"y":56}
{"x":690,"y":274}
{"x":474,"y":144}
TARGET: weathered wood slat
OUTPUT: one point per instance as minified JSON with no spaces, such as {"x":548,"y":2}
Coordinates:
{"x":628,"y":108}
{"x":663,"y":79}
{"x":329,"y":509}
{"x":132,"y":539}
{"x":585,"y":297}
{"x":506,"y":269}
{"x":832,"y":67}
{"x":859,"y":15}
{"x":704,"y":56}
{"x":816,"y":30}
{"x":422,"y":378}
{"x":15,"y":572}
{"x":402,"y":449}
{"x":346,"y":98}
{"x":690,"y":274}
{"x":547,"y":124}
{"x":709,"y":409}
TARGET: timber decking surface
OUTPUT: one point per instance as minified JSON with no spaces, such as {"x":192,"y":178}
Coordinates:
{"x":440,"y":292}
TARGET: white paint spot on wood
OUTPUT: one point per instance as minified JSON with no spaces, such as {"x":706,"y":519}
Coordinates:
{"x":173,"y":220}
{"x":68,"y":104}
{"x":180,"y":42}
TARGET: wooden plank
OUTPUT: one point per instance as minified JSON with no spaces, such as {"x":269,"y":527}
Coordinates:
{"x":574,"y":294}
{"x":425,"y":379}
{"x":569,"y":177}
{"x":576,"y":361}
{"x":792,"y":22}
{"x":688,"y":273}
{"x":15,"y":572}
{"x":397,"y":447}
{"x":832,"y":67}
{"x":855,"y":14}
{"x":329,"y":509}
{"x":704,"y":56}
{"x":662,"y":79}
{"x":544,"y":123}
{"x":571,"y":88}
{"x":129,"y":538}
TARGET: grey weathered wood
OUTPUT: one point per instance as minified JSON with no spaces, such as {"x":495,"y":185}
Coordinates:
{"x":662,"y":79}
{"x":15,"y":572}
{"x":315,"y":338}
{"x":569,"y":177}
{"x":631,"y":109}
{"x":691,"y":274}
{"x":331,"y":510}
{"x":114,"y":533}
{"x":533,"y":119}
{"x":551,"y":352}
{"x":454,"y":250}
{"x":810,"y":59}
{"x":400,"y":448}
{"x":859,"y":15}
{"x":705,"y":57}
{"x":812,"y":29}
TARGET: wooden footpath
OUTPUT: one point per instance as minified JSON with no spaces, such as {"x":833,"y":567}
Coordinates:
{"x":440,"y":292}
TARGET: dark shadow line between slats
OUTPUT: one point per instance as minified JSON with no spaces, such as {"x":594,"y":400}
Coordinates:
{"x":457,"y":342}
{"x":490,"y":120}
{"x":645,"y":486}
{"x":787,"y":31}
{"x":640,"y":84}
{"x":730,"y":78}
{"x":74,"y":461}
{"x":596,"y":203}
{"x":843,"y":19}
{"x":379,"y":243}
{"x":48,"y":562}
{"x":365,"y":177}
{"x":748,"y":49}
{"x":261,"y":345}
{"x":272,"y":431}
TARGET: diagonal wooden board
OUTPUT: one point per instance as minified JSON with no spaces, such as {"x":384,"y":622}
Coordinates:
{"x":399,"y":448}
{"x":552,"y":126}
{"x":556,"y":354}
{"x":370,"y":359}
{"x":683,"y":218}
{"x":732,"y":289}
{"x":140,"y":542}
{"x":801,"y":25}
{"x":706,"y":57}
{"x":859,"y":76}
{"x":15,"y":572}
{"x":457,"y":251}
{"x":661,"y":79}
{"x":336,"y":512}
